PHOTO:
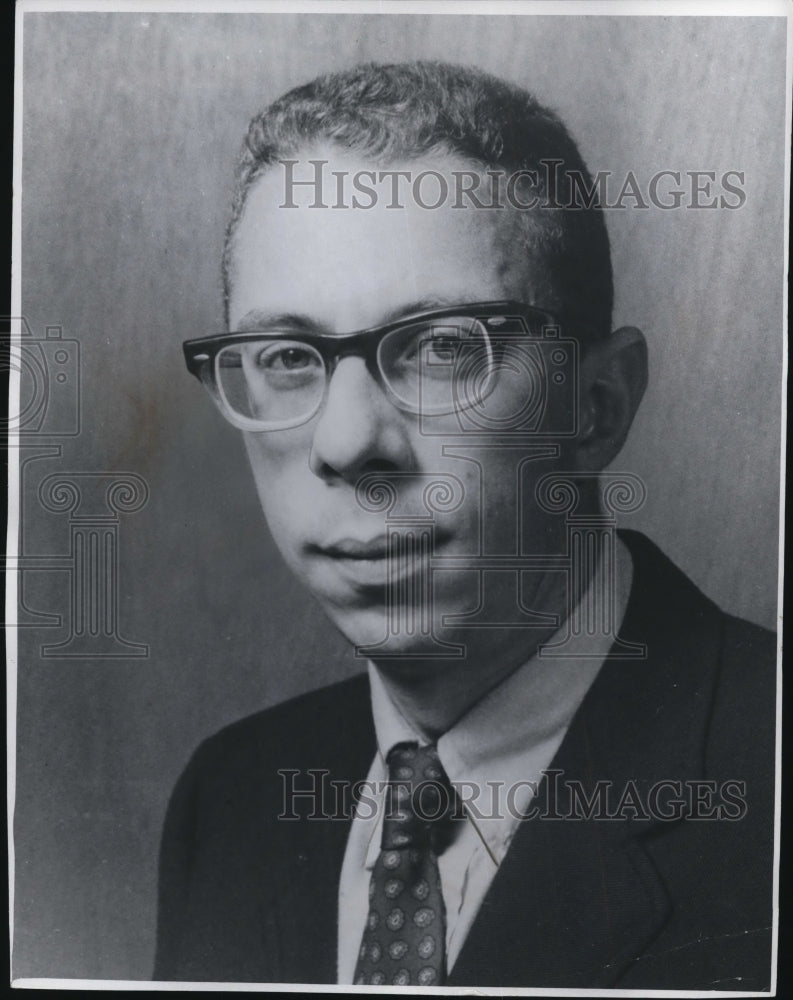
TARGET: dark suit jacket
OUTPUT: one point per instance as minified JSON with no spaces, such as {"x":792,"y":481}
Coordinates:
{"x":630,"y":903}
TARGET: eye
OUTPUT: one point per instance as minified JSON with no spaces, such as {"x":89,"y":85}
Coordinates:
{"x":433,"y":345}
{"x":286,"y":358}
{"x":441,"y":347}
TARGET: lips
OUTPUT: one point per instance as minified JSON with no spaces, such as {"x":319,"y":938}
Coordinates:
{"x":356,"y":548}
{"x":370,"y":562}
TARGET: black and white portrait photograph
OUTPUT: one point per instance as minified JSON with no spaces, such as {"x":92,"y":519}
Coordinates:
{"x":395,"y":442}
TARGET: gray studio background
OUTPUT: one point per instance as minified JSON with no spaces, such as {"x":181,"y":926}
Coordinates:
{"x":131,"y":124}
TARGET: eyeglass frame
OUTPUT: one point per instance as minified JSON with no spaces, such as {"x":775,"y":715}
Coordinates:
{"x":200,"y":353}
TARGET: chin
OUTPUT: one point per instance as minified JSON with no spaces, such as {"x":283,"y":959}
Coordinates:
{"x":368,"y":631}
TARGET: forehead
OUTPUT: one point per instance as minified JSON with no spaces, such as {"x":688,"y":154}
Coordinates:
{"x":351,"y":267}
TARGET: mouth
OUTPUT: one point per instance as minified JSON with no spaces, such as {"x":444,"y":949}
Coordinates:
{"x":356,"y":549}
{"x":378,"y":561}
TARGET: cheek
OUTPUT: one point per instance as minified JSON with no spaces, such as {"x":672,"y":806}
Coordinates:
{"x":280,"y":469}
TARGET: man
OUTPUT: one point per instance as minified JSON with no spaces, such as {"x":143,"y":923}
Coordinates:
{"x":558,"y":768}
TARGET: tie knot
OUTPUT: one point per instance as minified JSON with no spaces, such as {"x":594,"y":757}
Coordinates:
{"x":420,"y":801}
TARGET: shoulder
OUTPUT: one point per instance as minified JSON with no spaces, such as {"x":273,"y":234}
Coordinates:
{"x":327,"y":707}
{"x":743,"y":720}
{"x":301,"y":733}
{"x":745,"y":641}
{"x":712,"y":671}
{"x":669,"y":601}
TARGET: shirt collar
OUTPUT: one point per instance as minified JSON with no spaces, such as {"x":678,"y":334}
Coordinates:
{"x":512,"y":733}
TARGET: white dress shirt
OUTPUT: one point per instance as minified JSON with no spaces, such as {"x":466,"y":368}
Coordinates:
{"x":491,"y":755}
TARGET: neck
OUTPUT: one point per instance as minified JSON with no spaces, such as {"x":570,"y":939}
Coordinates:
{"x":433,"y":694}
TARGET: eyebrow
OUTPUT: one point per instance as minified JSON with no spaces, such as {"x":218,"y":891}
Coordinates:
{"x":261,"y":319}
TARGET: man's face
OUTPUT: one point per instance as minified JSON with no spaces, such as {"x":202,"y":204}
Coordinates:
{"x":337,"y":271}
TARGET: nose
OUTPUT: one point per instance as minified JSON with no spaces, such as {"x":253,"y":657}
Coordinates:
{"x":359,"y":429}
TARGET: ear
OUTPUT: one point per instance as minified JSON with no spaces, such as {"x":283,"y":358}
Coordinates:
{"x":613,"y":380}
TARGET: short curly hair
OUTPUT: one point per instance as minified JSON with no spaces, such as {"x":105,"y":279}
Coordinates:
{"x":402,"y":111}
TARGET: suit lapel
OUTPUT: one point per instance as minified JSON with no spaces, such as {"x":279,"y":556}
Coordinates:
{"x":573,"y":901}
{"x":307,"y":864}
{"x":576,"y":901}
{"x":307,"y":893}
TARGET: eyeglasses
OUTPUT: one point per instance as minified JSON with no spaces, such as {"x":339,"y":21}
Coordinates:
{"x":429,"y":363}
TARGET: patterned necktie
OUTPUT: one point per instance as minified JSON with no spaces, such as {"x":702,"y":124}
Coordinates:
{"x":404,"y":941}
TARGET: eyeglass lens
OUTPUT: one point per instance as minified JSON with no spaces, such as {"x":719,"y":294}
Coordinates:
{"x":429,"y":368}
